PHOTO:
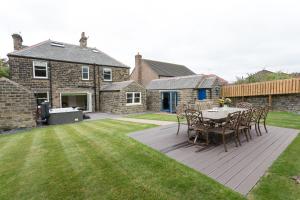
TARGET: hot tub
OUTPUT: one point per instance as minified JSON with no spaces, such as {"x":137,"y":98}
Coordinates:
{"x":64,"y":115}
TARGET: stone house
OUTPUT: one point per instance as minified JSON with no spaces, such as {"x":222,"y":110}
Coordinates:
{"x":17,"y":106}
{"x":147,"y":70}
{"x":68,"y":75}
{"x":165,"y":94}
{"x":122,"y":97}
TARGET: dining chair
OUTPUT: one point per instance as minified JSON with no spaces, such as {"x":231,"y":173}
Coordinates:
{"x":263,"y":118}
{"x":244,"y":125}
{"x":228,"y":128}
{"x":192,"y":117}
{"x":256,"y":114}
{"x":180,"y":114}
{"x":202,"y":127}
{"x":244,"y":105}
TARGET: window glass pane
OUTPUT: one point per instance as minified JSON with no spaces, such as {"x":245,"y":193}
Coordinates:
{"x":85,"y":70}
{"x":85,"y":76}
{"x":41,"y":97}
{"x":137,"y":100}
{"x":40,"y":68}
{"x":129,"y":97}
{"x":107,"y":74}
{"x":137,"y":97}
{"x":40,"y":73}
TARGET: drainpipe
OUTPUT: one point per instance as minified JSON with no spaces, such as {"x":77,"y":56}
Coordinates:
{"x":50,"y":85}
{"x":95,"y":88}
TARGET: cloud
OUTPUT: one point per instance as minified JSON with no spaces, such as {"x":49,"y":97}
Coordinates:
{"x":229,"y":38}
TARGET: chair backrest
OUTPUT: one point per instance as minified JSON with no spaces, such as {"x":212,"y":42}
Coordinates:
{"x":256,"y":114}
{"x":192,"y":116}
{"x":244,"y":105}
{"x":232,"y":120}
{"x":245,"y":117}
{"x":204,"y":105}
{"x":264,"y":112}
{"x":180,"y":109}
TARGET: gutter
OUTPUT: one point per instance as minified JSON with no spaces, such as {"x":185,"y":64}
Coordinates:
{"x":65,"y":61}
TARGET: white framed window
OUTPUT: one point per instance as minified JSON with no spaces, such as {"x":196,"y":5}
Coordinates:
{"x":85,"y":71}
{"x":133,"y":98}
{"x":107,"y":74}
{"x":41,"y":97}
{"x":40,"y":69}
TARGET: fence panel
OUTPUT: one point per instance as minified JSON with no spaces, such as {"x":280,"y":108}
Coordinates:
{"x":287,"y":86}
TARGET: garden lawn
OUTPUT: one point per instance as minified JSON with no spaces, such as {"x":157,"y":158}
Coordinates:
{"x":96,"y":160}
{"x":277,"y":184}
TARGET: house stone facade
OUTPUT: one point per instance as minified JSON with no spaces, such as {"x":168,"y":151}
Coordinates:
{"x":114,"y":99}
{"x":17,"y":106}
{"x":63,"y":78}
{"x":66,"y":75}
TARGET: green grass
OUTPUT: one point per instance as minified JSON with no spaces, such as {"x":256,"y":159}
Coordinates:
{"x":277,"y":184}
{"x":155,"y":116}
{"x":96,"y":160}
{"x":284,"y":119}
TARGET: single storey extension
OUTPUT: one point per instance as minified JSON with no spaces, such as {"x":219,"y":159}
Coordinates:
{"x":165,"y":94}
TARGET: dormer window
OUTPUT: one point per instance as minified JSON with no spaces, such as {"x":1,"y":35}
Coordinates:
{"x":40,"y":69}
{"x":85,"y":73}
{"x":107,"y":75}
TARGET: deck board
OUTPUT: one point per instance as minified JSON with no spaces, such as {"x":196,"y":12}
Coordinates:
{"x":239,"y":169}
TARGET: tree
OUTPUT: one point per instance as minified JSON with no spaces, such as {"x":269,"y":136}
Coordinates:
{"x":263,"y":75}
{"x":4,"y":69}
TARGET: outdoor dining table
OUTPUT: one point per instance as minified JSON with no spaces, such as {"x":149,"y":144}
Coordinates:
{"x":219,"y":115}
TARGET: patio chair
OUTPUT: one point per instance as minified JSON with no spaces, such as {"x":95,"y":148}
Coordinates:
{"x":244,"y":105}
{"x":180,"y":114}
{"x":244,"y":124}
{"x":202,"y":127}
{"x":204,"y":105}
{"x":228,"y":128}
{"x":192,"y":117}
{"x":256,"y":114}
{"x":263,"y":118}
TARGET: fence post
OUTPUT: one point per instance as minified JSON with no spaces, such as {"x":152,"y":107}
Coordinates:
{"x":270,"y":100}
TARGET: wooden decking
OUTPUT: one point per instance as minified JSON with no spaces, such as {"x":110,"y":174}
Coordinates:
{"x":239,"y":168}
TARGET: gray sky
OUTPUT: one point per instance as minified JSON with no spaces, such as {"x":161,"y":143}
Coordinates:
{"x":227,"y":38}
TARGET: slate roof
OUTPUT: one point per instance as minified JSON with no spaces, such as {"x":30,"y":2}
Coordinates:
{"x":116,"y":86}
{"x":69,"y":52}
{"x":168,"y":69}
{"x":182,"y":82}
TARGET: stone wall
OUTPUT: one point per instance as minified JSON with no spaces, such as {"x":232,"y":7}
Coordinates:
{"x":188,"y":96}
{"x":115,"y":101}
{"x":288,"y":102}
{"x":66,"y":77}
{"x":17,"y":106}
{"x":153,"y":100}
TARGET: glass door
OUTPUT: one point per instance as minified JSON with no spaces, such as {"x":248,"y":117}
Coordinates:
{"x":168,"y":101}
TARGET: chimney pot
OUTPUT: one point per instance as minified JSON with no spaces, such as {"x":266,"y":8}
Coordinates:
{"x":83,"y":40}
{"x":17,"y":39}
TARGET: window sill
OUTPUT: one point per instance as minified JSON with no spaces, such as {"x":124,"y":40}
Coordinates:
{"x":36,"y":77}
{"x":107,"y":80}
{"x":133,"y":104}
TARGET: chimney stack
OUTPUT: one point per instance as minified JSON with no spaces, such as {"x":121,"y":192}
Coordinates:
{"x":17,"y":38}
{"x":83,"y":40}
{"x":138,"y":66}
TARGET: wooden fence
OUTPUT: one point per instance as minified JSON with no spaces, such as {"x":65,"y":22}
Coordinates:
{"x":286,"y":86}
